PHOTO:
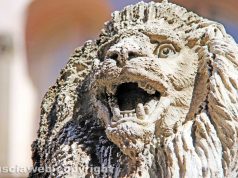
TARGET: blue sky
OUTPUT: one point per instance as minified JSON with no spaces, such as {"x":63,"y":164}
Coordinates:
{"x":119,"y":4}
{"x":231,"y":29}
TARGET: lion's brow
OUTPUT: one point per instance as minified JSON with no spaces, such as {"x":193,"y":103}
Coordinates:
{"x":163,"y":36}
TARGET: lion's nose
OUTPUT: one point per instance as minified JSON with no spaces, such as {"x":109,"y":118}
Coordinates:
{"x":123,"y":53}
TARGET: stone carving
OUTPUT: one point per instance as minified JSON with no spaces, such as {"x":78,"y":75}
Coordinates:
{"x":156,"y":95}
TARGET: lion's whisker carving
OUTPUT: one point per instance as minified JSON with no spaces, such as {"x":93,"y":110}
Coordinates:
{"x":154,"y":96}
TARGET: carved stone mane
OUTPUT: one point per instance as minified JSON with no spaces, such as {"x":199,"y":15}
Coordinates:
{"x":156,"y":95}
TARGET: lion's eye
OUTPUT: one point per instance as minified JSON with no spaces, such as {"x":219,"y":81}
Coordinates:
{"x":166,"y":50}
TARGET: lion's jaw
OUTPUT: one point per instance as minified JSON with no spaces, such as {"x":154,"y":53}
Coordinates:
{"x":131,"y":113}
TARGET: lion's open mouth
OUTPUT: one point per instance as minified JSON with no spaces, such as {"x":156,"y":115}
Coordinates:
{"x":133,"y":101}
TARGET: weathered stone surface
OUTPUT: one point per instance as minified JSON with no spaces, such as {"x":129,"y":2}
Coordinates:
{"x":156,"y":95}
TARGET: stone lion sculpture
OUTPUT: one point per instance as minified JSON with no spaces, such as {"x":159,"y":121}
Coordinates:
{"x":156,"y":95}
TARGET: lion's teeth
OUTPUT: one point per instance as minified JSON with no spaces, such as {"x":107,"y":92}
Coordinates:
{"x":147,"y":109}
{"x":151,"y":92}
{"x":142,"y":85}
{"x":147,"y":88}
{"x":128,"y":111}
{"x":117,"y":112}
{"x":150,"y":106}
{"x":140,"y":112}
{"x":114,"y":118}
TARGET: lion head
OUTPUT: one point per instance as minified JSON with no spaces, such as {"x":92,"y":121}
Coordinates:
{"x":145,"y":79}
{"x":161,"y":83}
